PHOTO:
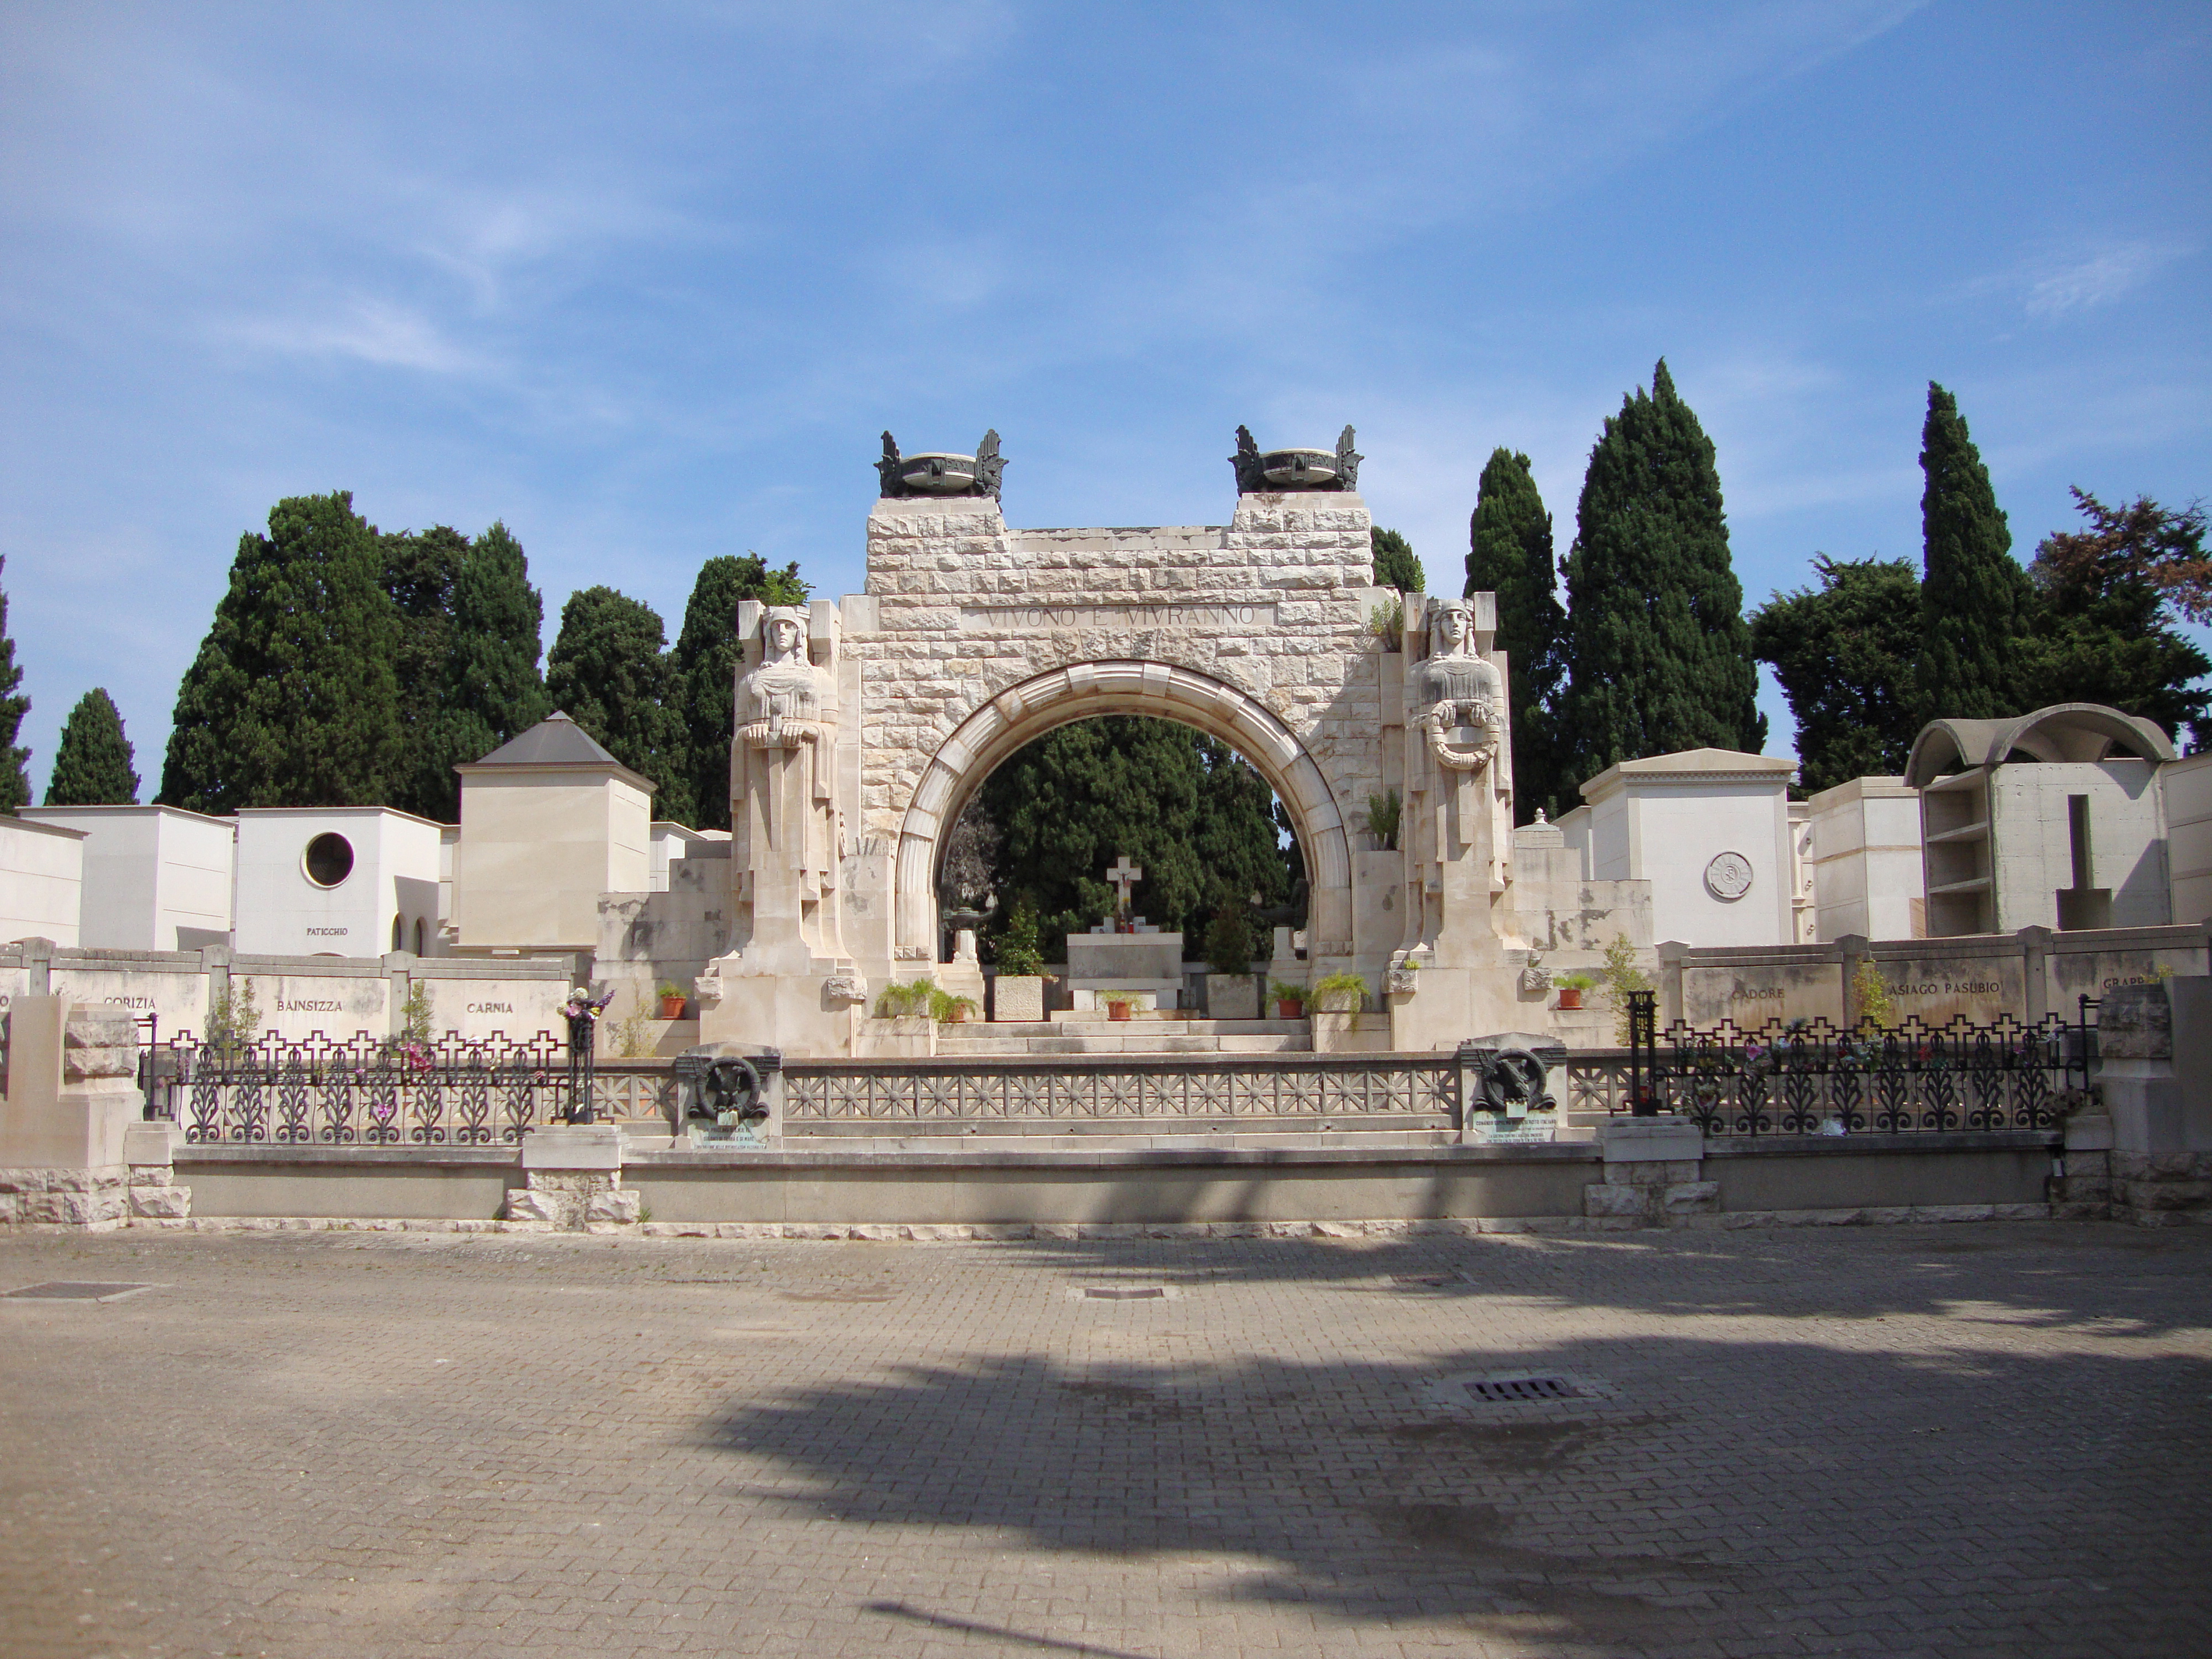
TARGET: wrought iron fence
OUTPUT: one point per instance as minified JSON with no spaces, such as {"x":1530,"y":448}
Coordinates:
{"x":1388,"y":1090}
{"x":1811,"y":1078}
{"x":362,"y":1092}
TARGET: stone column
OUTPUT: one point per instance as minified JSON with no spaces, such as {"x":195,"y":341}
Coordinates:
{"x":71,"y":1096}
{"x":572,"y":1178}
{"x":1653,"y":1172}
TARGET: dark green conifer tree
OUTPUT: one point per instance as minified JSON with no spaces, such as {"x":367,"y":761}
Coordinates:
{"x":608,"y":672}
{"x":1976,"y":604}
{"x":1659,"y":654}
{"x":292,"y":699}
{"x":1509,"y":553}
{"x":1395,"y":563}
{"x":705,"y":669}
{"x":493,"y":690}
{"x":421,"y":570}
{"x":93,"y":762}
{"x":1843,"y":653}
{"x":14,"y":779}
{"x":468,"y":657}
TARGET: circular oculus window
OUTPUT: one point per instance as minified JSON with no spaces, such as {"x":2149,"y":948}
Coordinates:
{"x":328,"y":859}
{"x":1727,"y":877}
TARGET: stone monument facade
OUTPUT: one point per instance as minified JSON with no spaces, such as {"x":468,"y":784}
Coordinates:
{"x":866,"y":727}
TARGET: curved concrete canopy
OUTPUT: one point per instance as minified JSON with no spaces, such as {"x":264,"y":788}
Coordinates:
{"x":989,"y":736}
{"x":2063,"y":731}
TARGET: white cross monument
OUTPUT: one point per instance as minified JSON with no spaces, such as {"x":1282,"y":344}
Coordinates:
{"x":1125,"y":876}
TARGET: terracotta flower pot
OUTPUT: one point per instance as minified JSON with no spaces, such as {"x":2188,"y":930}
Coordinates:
{"x":671,"y":1007}
{"x":1289,"y":1008}
{"x":1570,"y":997}
{"x":1117,"y":1011}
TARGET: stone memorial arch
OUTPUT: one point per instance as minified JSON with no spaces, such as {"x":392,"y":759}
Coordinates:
{"x":973,"y":638}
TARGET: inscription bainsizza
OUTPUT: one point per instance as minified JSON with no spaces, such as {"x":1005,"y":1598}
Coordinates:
{"x":1030,"y":618}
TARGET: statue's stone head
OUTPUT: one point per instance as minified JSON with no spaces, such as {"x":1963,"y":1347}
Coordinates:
{"x":783,"y":631}
{"x":1451,"y":628}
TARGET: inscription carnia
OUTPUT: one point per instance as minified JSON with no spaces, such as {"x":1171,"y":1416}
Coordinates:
{"x":1033,"y":618}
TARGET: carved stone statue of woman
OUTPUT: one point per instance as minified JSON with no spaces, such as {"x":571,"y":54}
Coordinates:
{"x":783,"y":795}
{"x":1457,"y":693}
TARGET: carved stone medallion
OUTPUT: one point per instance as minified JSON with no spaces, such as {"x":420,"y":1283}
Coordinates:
{"x":1727,"y":877}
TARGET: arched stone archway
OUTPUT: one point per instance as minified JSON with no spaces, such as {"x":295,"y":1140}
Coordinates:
{"x":1265,"y":633}
{"x":988,"y":737}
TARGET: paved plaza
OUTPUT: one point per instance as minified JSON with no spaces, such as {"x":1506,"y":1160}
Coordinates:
{"x":1964,"y":1440}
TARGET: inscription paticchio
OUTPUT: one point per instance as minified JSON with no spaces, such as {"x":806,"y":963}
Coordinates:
{"x":1033,"y":618}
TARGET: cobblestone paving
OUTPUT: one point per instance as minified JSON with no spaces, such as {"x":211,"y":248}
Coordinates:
{"x":1897,"y":1440}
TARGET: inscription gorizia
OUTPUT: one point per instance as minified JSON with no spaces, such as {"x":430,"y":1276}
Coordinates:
{"x":993,"y":618}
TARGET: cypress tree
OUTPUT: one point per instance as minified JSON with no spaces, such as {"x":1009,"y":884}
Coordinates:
{"x":1976,"y":605}
{"x":705,"y":668}
{"x":1659,"y":653}
{"x":420,"y":574}
{"x":292,"y":699}
{"x":1509,"y":553}
{"x":15,"y":781}
{"x":92,"y":762}
{"x":1843,"y":653}
{"x":607,"y":670}
{"x":493,"y":689}
{"x":468,"y":657}
{"x":1395,"y":563}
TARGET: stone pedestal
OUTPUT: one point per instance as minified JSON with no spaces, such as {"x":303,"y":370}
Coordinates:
{"x":572,"y":1176}
{"x":1654,"y":1169}
{"x":2156,"y":1075}
{"x":1018,"y":997}
{"x":70,"y":1099}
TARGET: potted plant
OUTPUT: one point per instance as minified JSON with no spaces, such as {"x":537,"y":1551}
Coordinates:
{"x":1117,"y":1007}
{"x":671,"y":998}
{"x":947,"y":1009}
{"x":1340,"y":994}
{"x":1571,"y":987}
{"x":1290,"y":1000}
{"x":1017,"y":990}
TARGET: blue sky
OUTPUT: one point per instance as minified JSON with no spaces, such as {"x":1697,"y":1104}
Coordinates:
{"x":647,"y":281}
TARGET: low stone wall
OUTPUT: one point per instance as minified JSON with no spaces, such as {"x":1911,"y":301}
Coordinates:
{"x":1636,"y":1173}
{"x":2027,"y":975}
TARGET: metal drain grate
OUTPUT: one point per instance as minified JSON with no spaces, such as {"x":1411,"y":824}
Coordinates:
{"x":1124,"y":1293}
{"x":1524,"y":1388}
{"x":76,"y":1290}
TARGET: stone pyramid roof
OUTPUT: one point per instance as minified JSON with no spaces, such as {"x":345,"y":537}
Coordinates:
{"x":556,"y":740}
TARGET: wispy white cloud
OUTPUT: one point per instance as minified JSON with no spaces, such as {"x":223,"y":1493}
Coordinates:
{"x":369,"y":331}
{"x":2084,"y":283}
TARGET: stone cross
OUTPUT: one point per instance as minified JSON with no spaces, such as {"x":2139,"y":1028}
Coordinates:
{"x":1124,"y":875}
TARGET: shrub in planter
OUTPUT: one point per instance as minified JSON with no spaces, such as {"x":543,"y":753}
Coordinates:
{"x":1228,"y":943}
{"x":904,"y":1001}
{"x":1340,"y":994}
{"x":671,"y":998}
{"x":1571,"y":987}
{"x":1290,"y":1000}
{"x":949,"y":1009}
{"x":1117,"y":1007}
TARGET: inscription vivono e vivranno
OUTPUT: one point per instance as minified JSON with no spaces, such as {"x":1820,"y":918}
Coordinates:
{"x":1029,"y":618}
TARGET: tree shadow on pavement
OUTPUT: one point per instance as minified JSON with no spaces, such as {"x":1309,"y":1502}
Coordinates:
{"x":1729,"y":1496}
